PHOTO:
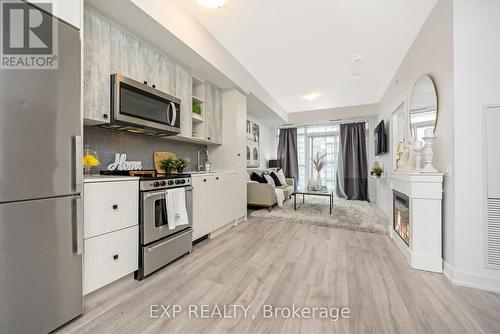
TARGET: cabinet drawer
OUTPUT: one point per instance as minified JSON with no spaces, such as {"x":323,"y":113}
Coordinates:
{"x":110,"y":206}
{"x":109,"y":257}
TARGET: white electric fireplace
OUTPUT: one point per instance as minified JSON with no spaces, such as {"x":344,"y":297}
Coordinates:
{"x":417,"y":218}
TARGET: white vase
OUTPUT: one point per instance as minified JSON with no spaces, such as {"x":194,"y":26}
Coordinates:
{"x":318,"y":180}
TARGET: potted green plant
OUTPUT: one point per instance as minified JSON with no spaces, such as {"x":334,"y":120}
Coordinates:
{"x":168,"y":165}
{"x":180,"y":164}
{"x":377,"y":171}
{"x":197,"y":108}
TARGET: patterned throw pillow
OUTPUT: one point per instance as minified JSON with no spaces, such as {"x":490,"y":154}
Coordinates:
{"x":276,"y":180}
{"x":269,"y":179}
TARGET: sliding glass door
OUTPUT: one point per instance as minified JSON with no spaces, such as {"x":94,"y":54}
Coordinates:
{"x":313,"y":140}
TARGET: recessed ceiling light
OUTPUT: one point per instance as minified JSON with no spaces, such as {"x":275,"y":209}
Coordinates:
{"x":311,"y":96}
{"x":212,"y":3}
{"x":355,"y":76}
{"x":356,"y":58}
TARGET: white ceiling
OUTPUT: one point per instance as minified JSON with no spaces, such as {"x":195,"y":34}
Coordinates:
{"x":295,"y":47}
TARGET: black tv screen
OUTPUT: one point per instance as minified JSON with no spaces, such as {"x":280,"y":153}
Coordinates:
{"x":380,"y":139}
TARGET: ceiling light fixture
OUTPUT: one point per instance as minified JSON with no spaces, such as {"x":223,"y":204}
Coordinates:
{"x":311,"y":96}
{"x":212,"y":3}
{"x":355,"y":76}
{"x":356,"y":58}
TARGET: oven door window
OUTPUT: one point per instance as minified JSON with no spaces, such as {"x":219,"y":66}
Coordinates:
{"x":140,"y":104}
{"x":160,"y":208}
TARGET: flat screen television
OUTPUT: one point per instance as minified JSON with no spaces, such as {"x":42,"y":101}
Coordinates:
{"x":380,"y":139}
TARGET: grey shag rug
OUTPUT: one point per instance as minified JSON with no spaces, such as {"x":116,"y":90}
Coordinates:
{"x":346,"y":215}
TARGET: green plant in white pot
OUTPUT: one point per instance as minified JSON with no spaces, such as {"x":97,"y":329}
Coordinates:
{"x":377,"y":171}
{"x":180,"y":164}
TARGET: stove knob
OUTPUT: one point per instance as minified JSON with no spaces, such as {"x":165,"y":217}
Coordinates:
{"x":183,"y":181}
{"x":177,"y":181}
{"x":163,"y":183}
{"x":156,"y":184}
{"x":170,"y":183}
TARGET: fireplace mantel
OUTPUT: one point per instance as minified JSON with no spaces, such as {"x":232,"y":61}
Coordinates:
{"x":425,"y":194}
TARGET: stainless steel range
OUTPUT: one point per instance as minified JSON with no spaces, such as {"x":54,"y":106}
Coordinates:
{"x":158,"y":245}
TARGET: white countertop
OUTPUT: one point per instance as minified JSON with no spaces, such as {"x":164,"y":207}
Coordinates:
{"x":108,"y":178}
{"x":217,"y":172}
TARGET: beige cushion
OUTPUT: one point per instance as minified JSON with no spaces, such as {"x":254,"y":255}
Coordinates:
{"x":281,"y":176}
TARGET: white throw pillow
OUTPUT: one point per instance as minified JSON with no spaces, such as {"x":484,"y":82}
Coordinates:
{"x":269,"y":179}
{"x":281,"y":177}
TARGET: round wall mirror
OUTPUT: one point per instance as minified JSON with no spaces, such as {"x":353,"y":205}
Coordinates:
{"x":423,"y":107}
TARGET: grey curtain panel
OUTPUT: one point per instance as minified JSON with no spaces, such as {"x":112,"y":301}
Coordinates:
{"x":287,"y":153}
{"x":352,"y":167}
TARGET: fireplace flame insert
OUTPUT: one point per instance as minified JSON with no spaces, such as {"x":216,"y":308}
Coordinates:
{"x":401,"y":216}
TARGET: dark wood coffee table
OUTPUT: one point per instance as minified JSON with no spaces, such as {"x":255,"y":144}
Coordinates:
{"x":305,"y":191}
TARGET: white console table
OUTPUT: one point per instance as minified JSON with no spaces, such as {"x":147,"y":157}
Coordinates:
{"x":425,"y":193}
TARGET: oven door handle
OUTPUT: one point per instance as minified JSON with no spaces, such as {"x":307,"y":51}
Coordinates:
{"x":155,"y":194}
{"x":164,"y":192}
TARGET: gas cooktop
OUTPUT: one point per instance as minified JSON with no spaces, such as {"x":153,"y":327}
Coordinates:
{"x":151,"y":180}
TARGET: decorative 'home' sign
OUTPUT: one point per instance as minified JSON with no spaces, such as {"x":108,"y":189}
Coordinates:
{"x":121,"y":163}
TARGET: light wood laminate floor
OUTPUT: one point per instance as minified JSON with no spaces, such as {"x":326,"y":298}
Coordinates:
{"x":264,"y":262}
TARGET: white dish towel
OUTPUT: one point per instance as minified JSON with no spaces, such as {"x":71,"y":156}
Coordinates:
{"x":176,"y":208}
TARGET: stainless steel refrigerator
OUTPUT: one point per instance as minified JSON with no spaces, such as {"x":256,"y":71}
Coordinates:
{"x":40,"y":183}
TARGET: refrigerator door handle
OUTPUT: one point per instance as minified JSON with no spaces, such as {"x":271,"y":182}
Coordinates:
{"x":79,"y":226}
{"x":78,"y":147}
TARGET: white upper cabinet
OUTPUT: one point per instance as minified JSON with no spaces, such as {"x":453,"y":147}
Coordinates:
{"x":67,"y":10}
{"x":162,"y":72}
{"x":129,"y":55}
{"x":185,"y":92}
{"x":213,"y":114}
{"x":96,"y":74}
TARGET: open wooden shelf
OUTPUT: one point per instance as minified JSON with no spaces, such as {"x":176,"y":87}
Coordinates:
{"x":198,"y":99}
{"x":198,"y":118}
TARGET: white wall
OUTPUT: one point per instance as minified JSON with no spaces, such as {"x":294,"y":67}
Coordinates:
{"x":477,"y":83}
{"x":325,"y":115}
{"x":268,"y":149}
{"x":431,"y":53}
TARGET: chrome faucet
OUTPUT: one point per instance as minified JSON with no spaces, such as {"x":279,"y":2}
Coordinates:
{"x":200,"y":166}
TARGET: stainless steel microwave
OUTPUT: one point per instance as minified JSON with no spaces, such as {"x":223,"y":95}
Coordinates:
{"x":136,"y":107}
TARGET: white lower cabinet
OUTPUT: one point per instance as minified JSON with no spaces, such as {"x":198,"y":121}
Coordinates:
{"x":203,"y":209}
{"x":109,"y":257}
{"x":225,"y":200}
{"x":213,"y":202}
{"x":110,"y":206}
{"x":111,"y":231}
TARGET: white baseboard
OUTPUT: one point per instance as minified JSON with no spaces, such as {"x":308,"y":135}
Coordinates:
{"x":426,"y":262}
{"x":471,"y":280}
